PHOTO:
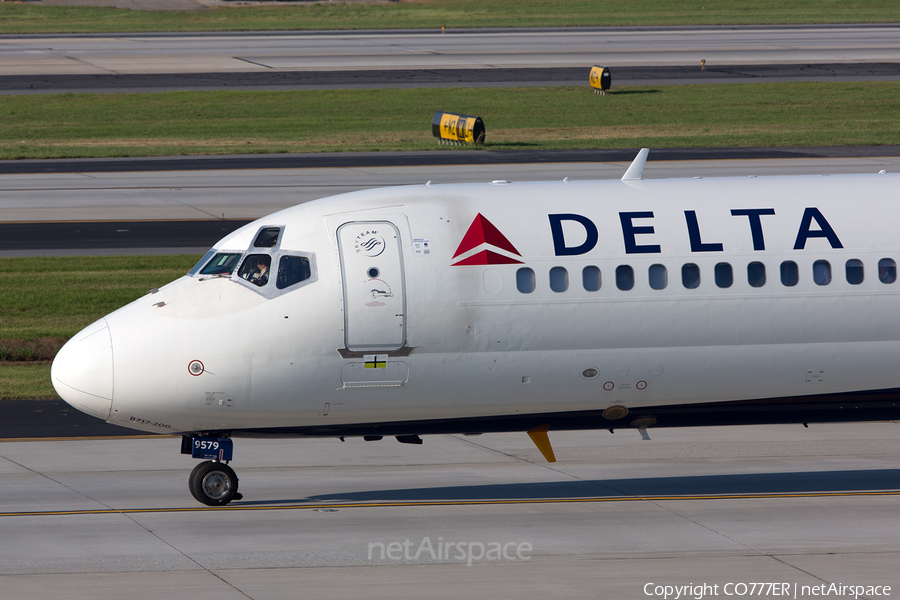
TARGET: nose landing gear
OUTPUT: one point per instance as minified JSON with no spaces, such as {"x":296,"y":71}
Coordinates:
{"x":214,"y":483}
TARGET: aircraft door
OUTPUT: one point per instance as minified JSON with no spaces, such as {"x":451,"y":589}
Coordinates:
{"x":374,"y":288}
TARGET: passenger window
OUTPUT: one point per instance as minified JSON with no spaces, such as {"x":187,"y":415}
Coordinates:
{"x":624,"y":277}
{"x":790,"y":274}
{"x":887,"y":270}
{"x":756,"y":274}
{"x":659,"y":278}
{"x":590,"y":278}
{"x":822,"y":272}
{"x":690,"y":276}
{"x":221,"y":264}
{"x":855,"y":271}
{"x":525,"y":280}
{"x":724,"y":275}
{"x":255,"y":269}
{"x":267,"y":238}
{"x":559,"y":279}
{"x":292,"y":270}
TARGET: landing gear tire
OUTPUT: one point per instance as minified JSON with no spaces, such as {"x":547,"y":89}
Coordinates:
{"x":214,"y":484}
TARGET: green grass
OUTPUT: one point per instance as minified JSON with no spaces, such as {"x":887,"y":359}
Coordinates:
{"x":432,"y":14}
{"x":179,"y":123}
{"x":26,"y":381}
{"x":47,"y":300}
{"x":47,"y":297}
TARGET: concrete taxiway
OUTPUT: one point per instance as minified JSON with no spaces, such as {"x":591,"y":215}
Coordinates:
{"x":102,"y":518}
{"x":253,"y":193}
{"x":150,"y":212}
{"x":224,"y":52}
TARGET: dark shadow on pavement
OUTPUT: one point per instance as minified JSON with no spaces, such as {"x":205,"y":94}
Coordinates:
{"x":877,"y":480}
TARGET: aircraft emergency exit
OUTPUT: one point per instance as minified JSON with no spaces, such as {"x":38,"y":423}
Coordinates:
{"x":532,"y":307}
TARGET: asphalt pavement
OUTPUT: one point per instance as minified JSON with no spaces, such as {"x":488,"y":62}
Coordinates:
{"x":47,"y":419}
{"x":443,"y":77}
{"x":434,"y":158}
{"x":116,"y":235}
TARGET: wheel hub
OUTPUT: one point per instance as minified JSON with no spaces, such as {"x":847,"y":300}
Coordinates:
{"x":216,"y":485}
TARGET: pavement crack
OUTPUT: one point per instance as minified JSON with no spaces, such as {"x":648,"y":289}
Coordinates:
{"x":708,"y":528}
{"x":172,"y":198}
{"x":57,"y":482}
{"x":468,"y":440}
{"x":86,"y":63}
{"x":185,"y":555}
{"x":796,"y":568}
{"x":548,"y":466}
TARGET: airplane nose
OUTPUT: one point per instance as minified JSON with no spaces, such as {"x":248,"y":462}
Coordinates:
{"x":82,"y":372}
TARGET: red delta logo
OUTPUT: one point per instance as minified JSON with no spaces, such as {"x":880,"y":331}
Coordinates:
{"x":483,"y":233}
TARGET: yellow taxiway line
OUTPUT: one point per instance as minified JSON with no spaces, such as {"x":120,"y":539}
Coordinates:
{"x":425,"y":503}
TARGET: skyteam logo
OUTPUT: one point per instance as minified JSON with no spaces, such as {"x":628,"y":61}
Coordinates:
{"x":483,"y":244}
{"x":369,"y":243}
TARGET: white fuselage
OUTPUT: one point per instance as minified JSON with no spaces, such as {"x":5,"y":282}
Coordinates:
{"x":419,"y":307}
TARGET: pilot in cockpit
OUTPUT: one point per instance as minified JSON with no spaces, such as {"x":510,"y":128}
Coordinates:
{"x":261,"y":275}
{"x":256,"y":269}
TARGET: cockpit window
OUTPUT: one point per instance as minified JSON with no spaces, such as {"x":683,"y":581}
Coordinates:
{"x":222,"y":263}
{"x":292,"y":270}
{"x":267,"y":238}
{"x":201,"y":262}
{"x":256,"y":269}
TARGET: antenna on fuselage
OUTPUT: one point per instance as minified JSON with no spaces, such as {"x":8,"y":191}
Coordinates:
{"x":636,"y":170}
